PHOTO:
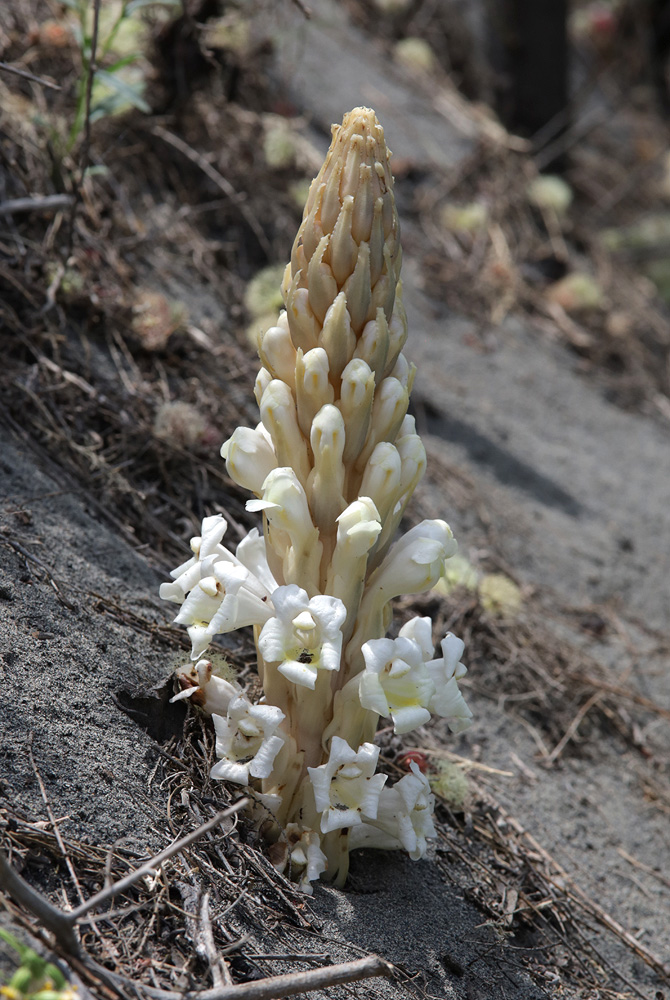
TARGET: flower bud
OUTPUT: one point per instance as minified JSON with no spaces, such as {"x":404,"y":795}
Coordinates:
{"x":355,"y":405}
{"x":292,"y":536}
{"x":263,"y":380}
{"x":249,"y":458}
{"x":302,"y":322}
{"x":357,"y":289}
{"x":343,"y":247}
{"x":358,"y":528}
{"x":337,"y":337}
{"x":326,"y":481}
{"x":280,"y":419}
{"x":373,"y":344}
{"x":388,"y":412}
{"x":312,"y":387}
{"x":320,"y":281}
{"x":414,"y":564}
{"x":277,"y":352}
{"x":397,"y":331}
{"x":381,"y":478}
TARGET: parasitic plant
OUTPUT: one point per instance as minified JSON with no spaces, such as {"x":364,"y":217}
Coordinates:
{"x":332,"y":466}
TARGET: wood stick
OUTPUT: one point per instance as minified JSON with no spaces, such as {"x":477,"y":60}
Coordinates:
{"x":275,"y":987}
{"x":149,"y":868}
{"x":53,"y":919}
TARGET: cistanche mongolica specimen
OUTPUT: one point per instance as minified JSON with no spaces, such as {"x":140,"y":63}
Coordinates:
{"x":332,"y":465}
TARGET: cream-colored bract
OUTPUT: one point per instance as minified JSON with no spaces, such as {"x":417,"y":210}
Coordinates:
{"x":332,"y":466}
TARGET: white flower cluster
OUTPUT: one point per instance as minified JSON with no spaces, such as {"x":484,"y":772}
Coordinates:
{"x":333,"y":464}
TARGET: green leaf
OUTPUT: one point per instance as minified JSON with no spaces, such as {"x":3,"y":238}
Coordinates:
{"x":12,"y":942}
{"x":53,"y":973}
{"x":139,"y":4}
{"x":99,"y":170}
{"x":123,"y":89}
{"x":125,"y":61}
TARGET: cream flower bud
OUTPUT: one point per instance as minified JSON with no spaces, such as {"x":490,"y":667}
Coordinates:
{"x":373,"y":344}
{"x":388,"y":411}
{"x":358,"y":528}
{"x":346,"y":788}
{"x":279,"y":417}
{"x":263,"y":380}
{"x":321,"y":284}
{"x":302,"y":322}
{"x":312,"y":387}
{"x":382,"y":477}
{"x":416,"y":561}
{"x":326,"y":481}
{"x":413,"y":462}
{"x":404,"y":372}
{"x":292,"y":535}
{"x":311,"y":229}
{"x":343,"y":247}
{"x":277,"y":352}
{"x":355,"y":405}
{"x":330,"y":205}
{"x":358,"y":291}
{"x":414,"y":564}
{"x":247,"y":741}
{"x":337,"y":336}
{"x":249,"y":458}
{"x":397,"y":331}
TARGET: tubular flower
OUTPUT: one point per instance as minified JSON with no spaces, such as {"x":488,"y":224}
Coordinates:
{"x":247,"y":741}
{"x":305,"y":636}
{"x":404,"y":817}
{"x":331,"y":466}
{"x":346,"y":788}
{"x":396,"y":682}
{"x":445,"y":672}
{"x":307,"y":859}
{"x":205,"y":689}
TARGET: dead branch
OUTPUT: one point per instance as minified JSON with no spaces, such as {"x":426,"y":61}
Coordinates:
{"x":62,"y":925}
{"x":278,"y":987}
{"x":25,"y":75}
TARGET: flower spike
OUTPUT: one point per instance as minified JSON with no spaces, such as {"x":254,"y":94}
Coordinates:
{"x":331,"y":467}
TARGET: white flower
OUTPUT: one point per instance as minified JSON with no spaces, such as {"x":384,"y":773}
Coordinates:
{"x":421,"y":631}
{"x":445,"y":672}
{"x":249,"y":457}
{"x":291,"y":532}
{"x":246,"y":740}
{"x":307,"y":858}
{"x":208,"y":691}
{"x":243,"y":600}
{"x":414,"y":564}
{"x":346,"y":789}
{"x":404,"y":818}
{"x":416,"y":561}
{"x":305,"y":636}
{"x":396,"y":682}
{"x":219,"y":591}
{"x":208,"y":543}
